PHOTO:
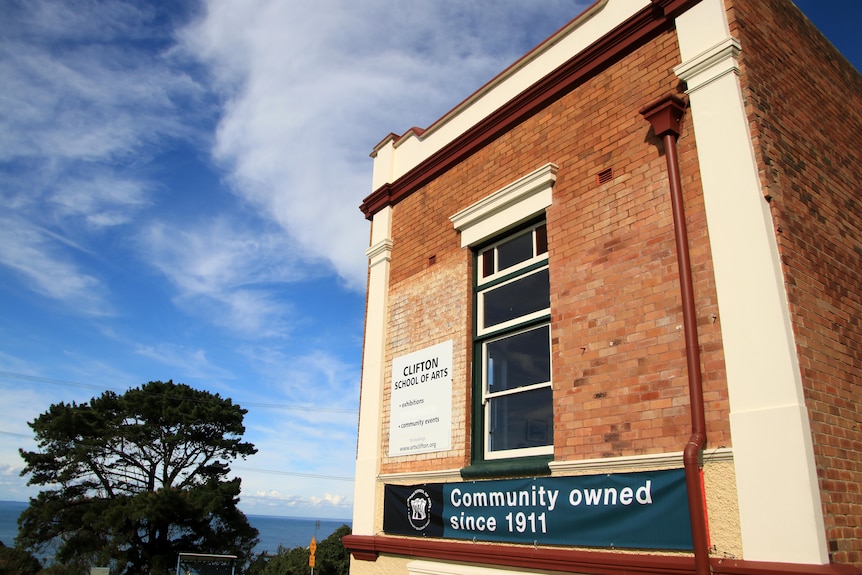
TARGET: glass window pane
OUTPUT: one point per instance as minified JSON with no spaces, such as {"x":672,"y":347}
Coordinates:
{"x":519,"y":360}
{"x":515,"y":299}
{"x":521,"y":420}
{"x":515,"y":251}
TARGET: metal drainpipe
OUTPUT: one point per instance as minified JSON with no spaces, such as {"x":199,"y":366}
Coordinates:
{"x":665,"y":114}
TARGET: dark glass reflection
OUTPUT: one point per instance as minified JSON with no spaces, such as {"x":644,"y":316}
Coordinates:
{"x":515,"y":251}
{"x":519,"y":360}
{"x":518,"y":298}
{"x":521,"y":420}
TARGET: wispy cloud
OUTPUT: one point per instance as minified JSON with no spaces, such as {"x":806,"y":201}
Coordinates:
{"x":185,"y":177}
{"x":227,"y":273}
{"x":313,"y":375}
{"x":80,"y":83}
{"x":83,"y":109}
{"x":323,"y":383}
{"x":99,"y":199}
{"x":309,"y":92}
{"x":34,"y":254}
{"x":96,"y":89}
{"x":193,"y":363}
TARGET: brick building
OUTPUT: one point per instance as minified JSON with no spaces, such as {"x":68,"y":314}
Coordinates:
{"x":614,"y":320}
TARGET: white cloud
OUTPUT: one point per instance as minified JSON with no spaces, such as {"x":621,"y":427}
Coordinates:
{"x":329,"y":499}
{"x":227,"y":273}
{"x":191,"y":363}
{"x":309,"y":91}
{"x":99,"y":94}
{"x":9,"y":470}
{"x":20,"y":405}
{"x":34,"y":255}
{"x":81,"y":113}
{"x":326,"y":505}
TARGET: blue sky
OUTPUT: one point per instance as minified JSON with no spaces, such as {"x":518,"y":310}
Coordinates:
{"x":180,"y":184}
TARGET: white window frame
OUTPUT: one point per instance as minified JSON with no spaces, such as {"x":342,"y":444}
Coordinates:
{"x":516,"y":204}
{"x":488,"y":396}
{"x":515,"y":276}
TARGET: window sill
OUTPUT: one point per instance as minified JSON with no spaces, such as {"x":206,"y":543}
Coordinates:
{"x":515,"y":467}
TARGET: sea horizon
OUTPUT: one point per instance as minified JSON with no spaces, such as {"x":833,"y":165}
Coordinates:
{"x":274,"y":530}
{"x":346,"y":520}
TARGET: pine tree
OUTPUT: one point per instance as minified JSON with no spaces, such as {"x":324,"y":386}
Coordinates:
{"x":131,"y":480}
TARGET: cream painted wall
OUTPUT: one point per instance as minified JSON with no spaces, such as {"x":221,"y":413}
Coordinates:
{"x":779,"y":501}
{"x":383,"y":566}
{"x":368,"y":451}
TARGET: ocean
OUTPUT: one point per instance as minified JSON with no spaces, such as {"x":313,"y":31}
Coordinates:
{"x":288,"y":532}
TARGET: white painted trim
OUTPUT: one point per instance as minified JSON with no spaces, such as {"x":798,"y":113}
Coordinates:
{"x":438,"y":568}
{"x":398,"y":156}
{"x":507,"y":207}
{"x":379,"y":252}
{"x":369,"y":450}
{"x":710,"y":65}
{"x":672,"y":460}
{"x":781,"y":516}
{"x":441,"y":476}
{"x":647,"y":462}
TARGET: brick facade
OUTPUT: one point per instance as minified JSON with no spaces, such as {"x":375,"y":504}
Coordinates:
{"x":618,"y":349}
{"x":619,"y":369}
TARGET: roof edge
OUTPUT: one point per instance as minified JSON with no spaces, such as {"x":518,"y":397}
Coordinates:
{"x":645,"y":24}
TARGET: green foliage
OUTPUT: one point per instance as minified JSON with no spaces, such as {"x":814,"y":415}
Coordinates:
{"x":16,"y":561}
{"x":284,"y":562}
{"x":131,"y":480}
{"x":331,"y":558}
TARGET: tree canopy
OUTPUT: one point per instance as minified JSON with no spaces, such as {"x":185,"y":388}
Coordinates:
{"x":15,"y":561}
{"x":131,"y":480}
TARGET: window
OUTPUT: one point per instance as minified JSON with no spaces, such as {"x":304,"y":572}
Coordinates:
{"x":513,"y":347}
{"x":513,"y":421}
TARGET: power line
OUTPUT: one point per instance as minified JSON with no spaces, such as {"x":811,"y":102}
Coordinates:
{"x":255,"y":469}
{"x":296,"y":406}
{"x":16,"y":434}
{"x":62,"y":382}
{"x":294,"y":473}
{"x":65,"y":383}
{"x":23,"y":377}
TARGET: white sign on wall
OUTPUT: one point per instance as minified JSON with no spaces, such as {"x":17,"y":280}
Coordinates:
{"x":421,"y":401}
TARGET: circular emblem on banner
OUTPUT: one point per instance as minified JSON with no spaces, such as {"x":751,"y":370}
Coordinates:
{"x":419,"y":509}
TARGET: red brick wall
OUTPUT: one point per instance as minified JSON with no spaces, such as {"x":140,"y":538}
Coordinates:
{"x":804,"y":102}
{"x":620,"y":380}
{"x":619,"y":363}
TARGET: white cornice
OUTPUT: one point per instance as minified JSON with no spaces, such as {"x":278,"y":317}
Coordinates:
{"x":654,"y":461}
{"x":671,"y":460}
{"x":519,"y":201}
{"x":710,"y":65}
{"x":441,"y":476}
{"x":379,"y":252}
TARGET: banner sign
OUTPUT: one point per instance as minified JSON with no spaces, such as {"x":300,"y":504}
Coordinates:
{"x":645,"y":510}
{"x":420,"y":414}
